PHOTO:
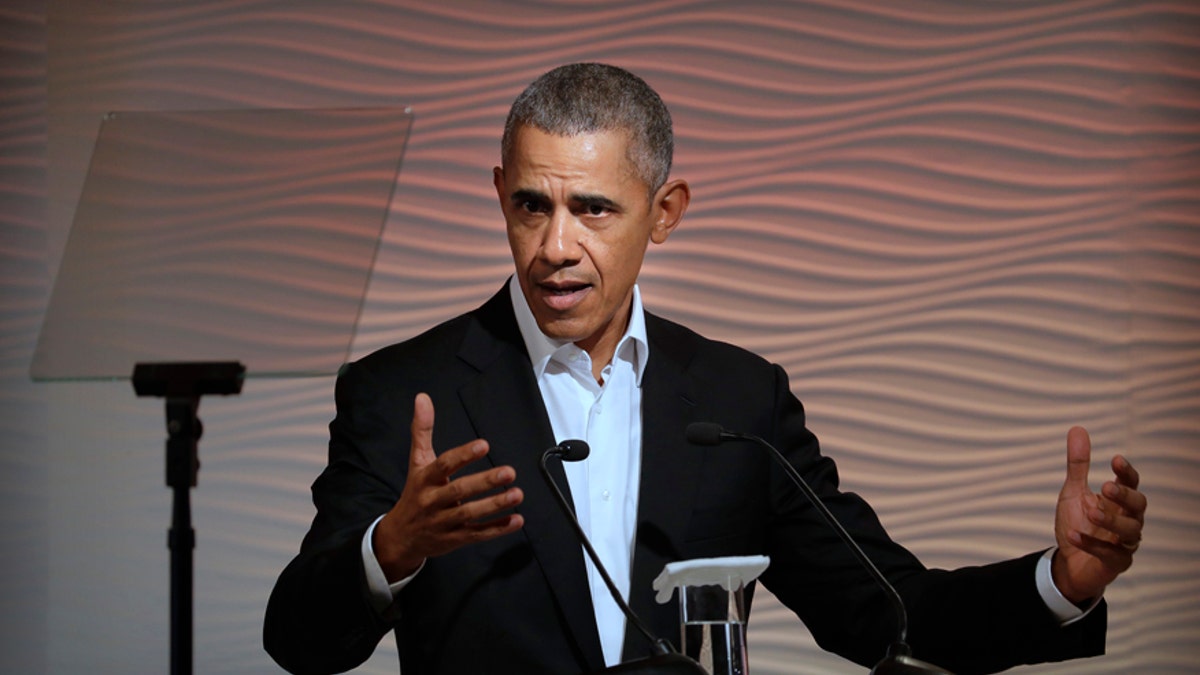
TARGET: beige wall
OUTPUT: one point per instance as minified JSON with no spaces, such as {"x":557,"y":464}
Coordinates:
{"x":961,"y":228}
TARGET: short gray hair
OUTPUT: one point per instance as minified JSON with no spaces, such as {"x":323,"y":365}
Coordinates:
{"x":583,"y":98}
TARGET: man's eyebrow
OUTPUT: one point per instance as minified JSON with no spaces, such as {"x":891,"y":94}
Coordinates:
{"x":527,"y":194}
{"x":595,"y":200}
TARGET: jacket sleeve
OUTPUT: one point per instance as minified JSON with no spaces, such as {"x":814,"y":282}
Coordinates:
{"x":970,"y":620}
{"x":319,"y":618}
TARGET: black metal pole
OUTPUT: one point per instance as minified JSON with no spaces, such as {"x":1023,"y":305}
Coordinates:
{"x":183,"y":464}
{"x":182,"y":385}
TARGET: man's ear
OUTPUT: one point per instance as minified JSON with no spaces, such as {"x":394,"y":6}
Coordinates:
{"x":498,"y":181}
{"x":670,"y":202}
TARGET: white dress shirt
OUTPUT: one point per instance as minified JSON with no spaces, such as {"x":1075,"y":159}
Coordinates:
{"x":604,"y":487}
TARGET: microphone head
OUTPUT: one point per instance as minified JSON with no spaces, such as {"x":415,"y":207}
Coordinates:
{"x":704,"y":433}
{"x":574,"y":450}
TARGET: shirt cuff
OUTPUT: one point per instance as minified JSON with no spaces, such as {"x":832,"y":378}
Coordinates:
{"x":1063,"y":609}
{"x":381,"y":592}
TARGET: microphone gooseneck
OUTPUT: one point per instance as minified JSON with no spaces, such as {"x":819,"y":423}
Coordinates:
{"x":573,"y":451}
{"x":898,"y":658}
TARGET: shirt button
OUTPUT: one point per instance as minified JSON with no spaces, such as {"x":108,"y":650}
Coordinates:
{"x":605,"y":495}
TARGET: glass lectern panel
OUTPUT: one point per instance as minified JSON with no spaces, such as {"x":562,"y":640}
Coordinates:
{"x":245,"y":235}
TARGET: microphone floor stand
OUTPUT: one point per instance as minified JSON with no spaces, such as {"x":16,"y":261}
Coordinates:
{"x":184,"y":430}
{"x":182,"y":385}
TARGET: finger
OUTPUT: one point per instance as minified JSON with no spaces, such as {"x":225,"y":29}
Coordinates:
{"x":1116,"y":528}
{"x":1079,"y":458}
{"x":1126,"y":474}
{"x":1114,"y":556}
{"x":446,"y":535}
{"x":469,"y":487}
{"x":481,"y":510}
{"x":463,"y":524}
{"x":1132,"y":502}
{"x":490,"y":529}
{"x":452,"y":461}
{"x":421,"y":453}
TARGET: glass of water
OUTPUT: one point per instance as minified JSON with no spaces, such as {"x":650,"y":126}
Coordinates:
{"x":714,"y":627}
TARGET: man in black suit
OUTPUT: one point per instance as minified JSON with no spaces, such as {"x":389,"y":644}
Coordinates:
{"x":464,"y":556}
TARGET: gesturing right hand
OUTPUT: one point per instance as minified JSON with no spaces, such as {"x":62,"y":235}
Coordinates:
{"x":436,"y":514}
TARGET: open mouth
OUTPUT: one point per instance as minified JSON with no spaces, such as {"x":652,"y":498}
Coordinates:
{"x":563,"y":296}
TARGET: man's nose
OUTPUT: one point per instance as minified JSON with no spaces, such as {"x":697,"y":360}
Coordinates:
{"x":560,"y":243}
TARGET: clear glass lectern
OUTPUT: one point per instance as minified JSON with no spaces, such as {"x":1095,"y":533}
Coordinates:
{"x":210,"y":246}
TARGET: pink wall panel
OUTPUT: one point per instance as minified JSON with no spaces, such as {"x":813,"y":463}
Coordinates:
{"x":961,"y":227}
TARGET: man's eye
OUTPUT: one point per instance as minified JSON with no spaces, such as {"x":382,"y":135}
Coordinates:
{"x":596,"y":209}
{"x":533,"y":206}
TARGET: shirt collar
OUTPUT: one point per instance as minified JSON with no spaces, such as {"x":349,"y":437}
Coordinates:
{"x":633,"y":346}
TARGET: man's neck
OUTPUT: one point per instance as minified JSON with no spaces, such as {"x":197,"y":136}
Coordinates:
{"x":601,"y":351}
{"x":603,"y":345}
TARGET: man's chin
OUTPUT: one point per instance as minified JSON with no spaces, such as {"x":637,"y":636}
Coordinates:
{"x":562,"y":330}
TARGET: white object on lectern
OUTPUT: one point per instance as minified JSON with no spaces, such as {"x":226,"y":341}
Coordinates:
{"x":730,"y":573}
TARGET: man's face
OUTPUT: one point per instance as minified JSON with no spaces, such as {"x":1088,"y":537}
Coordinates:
{"x":579,"y":219}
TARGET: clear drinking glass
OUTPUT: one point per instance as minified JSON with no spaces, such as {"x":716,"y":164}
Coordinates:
{"x":714,"y":627}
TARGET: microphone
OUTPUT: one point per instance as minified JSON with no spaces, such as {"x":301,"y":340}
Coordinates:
{"x":572,"y":450}
{"x":666,"y":660}
{"x":899,"y":660}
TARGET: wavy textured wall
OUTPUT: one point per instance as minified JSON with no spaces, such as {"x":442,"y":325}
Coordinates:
{"x":24,"y":287}
{"x":961,"y":228}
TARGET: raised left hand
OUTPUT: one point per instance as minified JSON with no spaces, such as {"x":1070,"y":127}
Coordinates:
{"x":1097,"y":533}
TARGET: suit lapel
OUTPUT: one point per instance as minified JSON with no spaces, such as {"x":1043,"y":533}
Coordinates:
{"x":505,"y":406}
{"x":670,"y":468}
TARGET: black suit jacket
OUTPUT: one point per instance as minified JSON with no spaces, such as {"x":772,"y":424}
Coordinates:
{"x":521,"y":603}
